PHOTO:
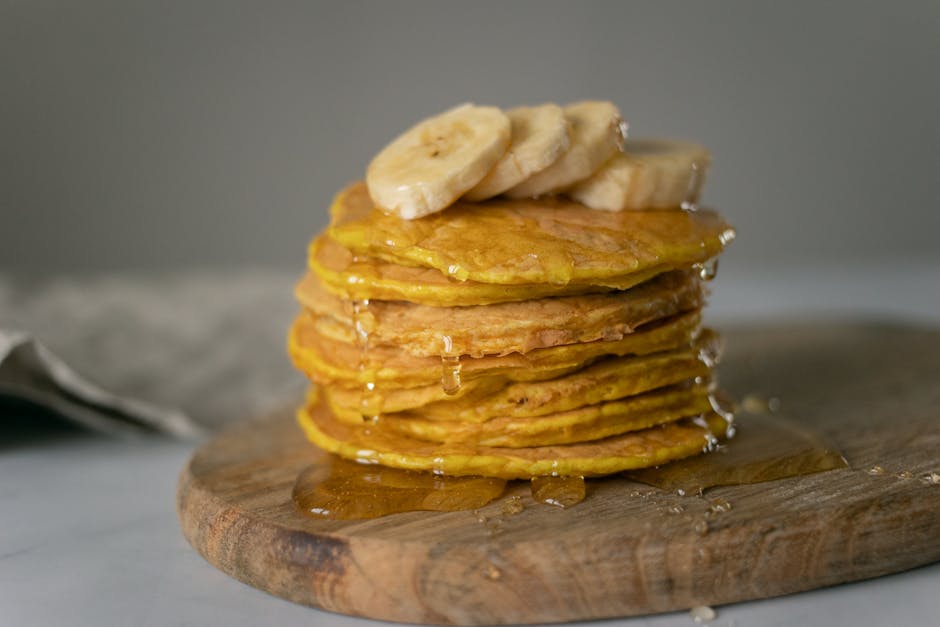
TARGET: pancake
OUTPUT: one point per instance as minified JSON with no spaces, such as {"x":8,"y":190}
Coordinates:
{"x":328,"y":361}
{"x":607,"y":380}
{"x":350,"y":399}
{"x":499,"y":329}
{"x":637,"y":449}
{"x":583,"y":424}
{"x":358,"y":277}
{"x":512,"y":242}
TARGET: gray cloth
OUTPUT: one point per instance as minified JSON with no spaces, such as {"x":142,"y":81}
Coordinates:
{"x":182,"y":354}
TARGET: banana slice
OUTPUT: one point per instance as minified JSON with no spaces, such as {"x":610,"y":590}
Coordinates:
{"x":648,"y":174}
{"x":597,"y":132}
{"x":539,"y":138}
{"x":435,"y":162}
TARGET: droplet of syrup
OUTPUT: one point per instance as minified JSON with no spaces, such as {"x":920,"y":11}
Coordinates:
{"x":707,"y":270}
{"x":558,"y":491}
{"x":512,"y":506}
{"x":450,"y":374}
{"x":450,"y":366}
{"x":719,"y":506}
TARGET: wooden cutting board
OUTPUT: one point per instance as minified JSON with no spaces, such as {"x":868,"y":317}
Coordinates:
{"x":873,"y":390}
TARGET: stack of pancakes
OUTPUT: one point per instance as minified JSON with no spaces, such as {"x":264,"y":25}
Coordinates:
{"x":510,"y":338}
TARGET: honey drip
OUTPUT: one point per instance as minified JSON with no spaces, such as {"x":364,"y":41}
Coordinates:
{"x":707,"y":270}
{"x":765,"y":448}
{"x":695,"y":183}
{"x":450,"y":374}
{"x":558,"y":491}
{"x":369,"y":400}
{"x":709,"y":347}
{"x":450,"y":367}
{"x":343,"y":490}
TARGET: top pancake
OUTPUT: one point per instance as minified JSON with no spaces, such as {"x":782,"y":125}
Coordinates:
{"x":520,"y":242}
{"x":361,"y":277}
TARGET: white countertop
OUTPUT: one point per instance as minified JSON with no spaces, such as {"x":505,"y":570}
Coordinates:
{"x":88,"y":530}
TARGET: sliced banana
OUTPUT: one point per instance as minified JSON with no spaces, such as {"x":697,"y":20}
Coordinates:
{"x":539,"y":138}
{"x":438,"y":160}
{"x":597,"y":133}
{"x":648,"y":174}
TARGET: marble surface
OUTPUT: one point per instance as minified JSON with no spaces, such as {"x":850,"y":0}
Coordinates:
{"x":88,"y":531}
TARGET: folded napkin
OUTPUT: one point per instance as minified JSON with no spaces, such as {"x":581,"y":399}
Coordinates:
{"x":29,"y":371}
{"x":182,"y":353}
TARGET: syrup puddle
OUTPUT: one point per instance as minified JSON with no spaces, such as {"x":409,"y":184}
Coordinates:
{"x":338,"y":489}
{"x":765,"y":448}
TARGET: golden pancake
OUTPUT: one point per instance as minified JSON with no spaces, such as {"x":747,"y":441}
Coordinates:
{"x":502,"y":328}
{"x":511,"y":242}
{"x":480,"y":400}
{"x":359,"y":277}
{"x":610,"y":379}
{"x":637,"y":449}
{"x":395,"y":399}
{"x":328,"y":361}
{"x":590,"y":422}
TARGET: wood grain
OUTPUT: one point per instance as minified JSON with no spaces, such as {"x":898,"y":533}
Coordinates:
{"x":873,"y":390}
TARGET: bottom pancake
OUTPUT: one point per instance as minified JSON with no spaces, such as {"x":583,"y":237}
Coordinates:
{"x":637,"y":449}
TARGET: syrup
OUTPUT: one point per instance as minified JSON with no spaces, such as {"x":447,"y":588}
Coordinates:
{"x":450,"y":367}
{"x":369,"y":401}
{"x":708,"y":270}
{"x":343,"y":490}
{"x":765,"y":448}
{"x":690,"y":203}
{"x":450,"y":374}
{"x":558,"y":491}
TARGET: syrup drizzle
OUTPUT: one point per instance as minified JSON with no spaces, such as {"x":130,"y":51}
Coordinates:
{"x":695,"y":183}
{"x":450,"y":367}
{"x":709,"y":348}
{"x":370,"y":405}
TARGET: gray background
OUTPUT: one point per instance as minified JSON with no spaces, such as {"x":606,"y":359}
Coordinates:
{"x":176,"y":134}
